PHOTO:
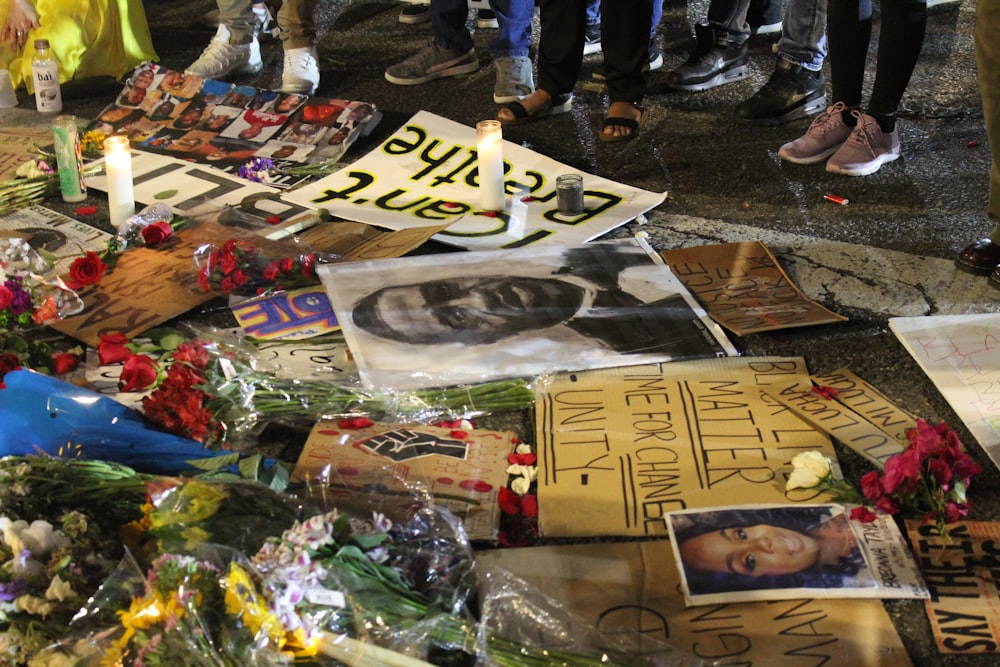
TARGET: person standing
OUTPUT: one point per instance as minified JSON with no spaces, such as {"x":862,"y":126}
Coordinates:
{"x":235,"y":47}
{"x":983,"y":256}
{"x":857,"y":143}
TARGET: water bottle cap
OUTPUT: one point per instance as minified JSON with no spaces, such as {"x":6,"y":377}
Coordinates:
{"x":41,"y":43}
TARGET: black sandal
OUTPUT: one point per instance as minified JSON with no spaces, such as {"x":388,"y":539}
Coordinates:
{"x":560,"y":104}
{"x":628,"y":123}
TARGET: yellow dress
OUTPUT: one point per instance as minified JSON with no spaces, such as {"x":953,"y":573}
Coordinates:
{"x":88,"y":38}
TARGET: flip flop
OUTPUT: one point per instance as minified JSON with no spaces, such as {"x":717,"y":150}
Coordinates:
{"x":560,"y":104}
{"x":628,"y":123}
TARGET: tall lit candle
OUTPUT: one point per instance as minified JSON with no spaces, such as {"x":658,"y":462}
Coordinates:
{"x":118,"y":170}
{"x":489,"y":146}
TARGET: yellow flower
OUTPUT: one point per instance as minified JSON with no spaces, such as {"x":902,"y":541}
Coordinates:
{"x":242,"y":600}
{"x":809,"y":469}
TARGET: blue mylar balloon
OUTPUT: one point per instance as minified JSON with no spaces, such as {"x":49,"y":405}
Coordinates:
{"x":41,"y":413}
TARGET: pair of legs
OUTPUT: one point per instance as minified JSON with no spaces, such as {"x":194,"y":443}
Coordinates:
{"x":235,"y":48}
{"x":983,"y":256}
{"x":856,"y":143}
{"x":625,"y":42}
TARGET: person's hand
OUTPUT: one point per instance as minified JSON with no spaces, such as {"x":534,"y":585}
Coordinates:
{"x":20,"y":20}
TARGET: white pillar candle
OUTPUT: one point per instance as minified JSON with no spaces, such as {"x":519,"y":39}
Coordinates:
{"x":118,"y":170}
{"x":489,"y":146}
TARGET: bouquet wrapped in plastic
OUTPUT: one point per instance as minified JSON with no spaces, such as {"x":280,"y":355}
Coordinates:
{"x":30,"y":291}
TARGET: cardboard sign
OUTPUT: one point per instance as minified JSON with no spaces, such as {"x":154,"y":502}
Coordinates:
{"x":961,"y":573}
{"x":632,"y":588}
{"x":838,"y":421}
{"x":959,"y":354}
{"x":620,"y":448}
{"x":146,"y":288}
{"x":744,"y":289}
{"x":17,"y":146}
{"x":426,"y":174}
{"x":869,"y":402}
{"x":464,"y":470}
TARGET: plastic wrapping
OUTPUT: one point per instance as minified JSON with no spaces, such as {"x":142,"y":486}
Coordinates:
{"x":30,"y":291}
{"x":231,"y":261}
{"x":130,"y":233}
{"x":220,"y":395}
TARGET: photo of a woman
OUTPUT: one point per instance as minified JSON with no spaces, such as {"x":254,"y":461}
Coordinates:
{"x":768,"y":548}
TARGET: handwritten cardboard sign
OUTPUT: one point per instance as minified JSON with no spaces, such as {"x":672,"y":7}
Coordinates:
{"x":427,"y":174}
{"x":146,"y":288}
{"x":744,"y":289}
{"x":838,"y":420}
{"x":620,"y":448}
{"x":632,"y":588}
{"x":962,"y":574}
{"x":17,"y":146}
{"x":57,"y":237}
{"x":464,"y":470}
{"x":959,"y":354}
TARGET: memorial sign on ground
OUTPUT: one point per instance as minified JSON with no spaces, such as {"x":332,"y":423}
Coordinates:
{"x":620,"y":448}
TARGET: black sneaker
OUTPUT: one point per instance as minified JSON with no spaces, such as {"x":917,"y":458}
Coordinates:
{"x":592,"y":39}
{"x":414,"y":13}
{"x":655,"y":62}
{"x":792,"y":92}
{"x":714,"y":62}
{"x":486,"y":20}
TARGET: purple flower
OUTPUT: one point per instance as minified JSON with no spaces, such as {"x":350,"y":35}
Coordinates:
{"x":11,"y":590}
{"x":21,"y":298}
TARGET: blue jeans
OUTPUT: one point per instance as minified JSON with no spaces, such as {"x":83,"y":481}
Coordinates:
{"x":448,"y":25}
{"x":513,"y":39}
{"x":594,"y":14}
{"x":803,"y":34}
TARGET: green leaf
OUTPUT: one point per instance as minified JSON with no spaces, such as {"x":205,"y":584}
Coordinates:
{"x":249,"y":466}
{"x":215,"y":462}
{"x":165,"y":194}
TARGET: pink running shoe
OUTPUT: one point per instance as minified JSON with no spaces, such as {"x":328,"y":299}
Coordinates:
{"x":825,"y":135}
{"x":867,"y":149}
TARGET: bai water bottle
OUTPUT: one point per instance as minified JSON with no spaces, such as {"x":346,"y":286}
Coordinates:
{"x":45,"y":73}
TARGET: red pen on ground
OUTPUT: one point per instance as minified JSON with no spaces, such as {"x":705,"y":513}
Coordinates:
{"x":843,"y":201}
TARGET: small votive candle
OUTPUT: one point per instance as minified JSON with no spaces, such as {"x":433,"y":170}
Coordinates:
{"x":569,"y":194}
{"x":118,"y":170}
{"x":489,"y":147}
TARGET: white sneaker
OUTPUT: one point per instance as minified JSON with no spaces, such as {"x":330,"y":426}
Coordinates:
{"x":220,"y":57}
{"x":514,"y":80}
{"x":301,"y":71}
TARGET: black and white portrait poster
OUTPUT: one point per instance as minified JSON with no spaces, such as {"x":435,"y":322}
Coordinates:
{"x":471,"y":317}
{"x":783,"y":552}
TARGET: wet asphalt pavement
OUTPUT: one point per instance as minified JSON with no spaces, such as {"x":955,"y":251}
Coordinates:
{"x":724,"y":181}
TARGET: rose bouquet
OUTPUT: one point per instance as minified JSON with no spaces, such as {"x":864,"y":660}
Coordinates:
{"x":247,"y":268}
{"x":928,"y":479}
{"x":213,"y":392}
{"x":30,"y":292}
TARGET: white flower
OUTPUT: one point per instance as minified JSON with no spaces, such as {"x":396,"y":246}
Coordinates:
{"x":59,"y":589}
{"x":39,"y":537}
{"x":520,"y":486}
{"x":33,"y":605}
{"x":522,"y":449}
{"x":528,"y":472}
{"x":809,"y":469}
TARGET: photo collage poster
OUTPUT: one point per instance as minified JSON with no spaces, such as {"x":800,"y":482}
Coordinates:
{"x":226,"y":125}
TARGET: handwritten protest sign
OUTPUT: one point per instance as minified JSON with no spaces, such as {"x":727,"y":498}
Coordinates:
{"x":620,"y":448}
{"x":744,"y":289}
{"x":959,"y":354}
{"x":633,"y":589}
{"x":426,"y":174}
{"x":961,"y":572}
{"x":464,"y":470}
{"x":17,"y":146}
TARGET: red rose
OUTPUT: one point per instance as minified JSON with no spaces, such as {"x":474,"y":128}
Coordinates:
{"x":529,"y":505}
{"x":509,"y":501}
{"x":65,"y":362}
{"x":86,"y":270}
{"x":8,"y":362}
{"x":871,"y":485}
{"x":139,"y":372}
{"x":528,"y":459}
{"x":6,"y":296}
{"x":156,"y":233}
{"x":112,"y":349}
{"x":863,"y":514}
